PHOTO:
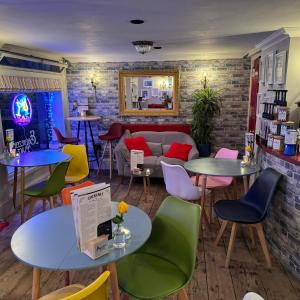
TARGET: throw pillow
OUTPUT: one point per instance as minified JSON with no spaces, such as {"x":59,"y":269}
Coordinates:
{"x":138,"y":143}
{"x":180,"y":151}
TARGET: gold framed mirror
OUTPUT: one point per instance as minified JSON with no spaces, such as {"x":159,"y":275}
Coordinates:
{"x":149,"y":93}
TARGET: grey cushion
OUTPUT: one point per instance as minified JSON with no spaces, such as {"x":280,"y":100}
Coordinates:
{"x":156,"y":148}
{"x":165,"y":148}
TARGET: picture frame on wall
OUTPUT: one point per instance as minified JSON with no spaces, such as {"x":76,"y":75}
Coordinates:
{"x":148,"y":83}
{"x":145,"y":94}
{"x":262,"y":70}
{"x":280,"y":67}
{"x":154,"y":92}
{"x":269,"y":68}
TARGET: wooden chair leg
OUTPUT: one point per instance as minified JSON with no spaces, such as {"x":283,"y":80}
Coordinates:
{"x":182,"y":294}
{"x":227,"y":194}
{"x":235,"y":189}
{"x":110,"y":160}
{"x":262,"y":240}
{"x":252,"y":238}
{"x":221,"y":231}
{"x":44,"y":205}
{"x":212,"y":201}
{"x":51,"y":200}
{"x":31,"y":207}
{"x":231,"y":243}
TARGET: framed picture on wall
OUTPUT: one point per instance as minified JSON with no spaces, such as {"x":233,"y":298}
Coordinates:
{"x":148,"y":83}
{"x":280,"y":67}
{"x":269,"y":68}
{"x":145,"y":94}
{"x":262,"y":72}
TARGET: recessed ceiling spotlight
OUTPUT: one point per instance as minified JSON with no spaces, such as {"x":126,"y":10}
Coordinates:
{"x":137,"y":21}
{"x":157,"y":47}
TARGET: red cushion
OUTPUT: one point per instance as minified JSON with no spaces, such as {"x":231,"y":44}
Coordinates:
{"x":138,"y":143}
{"x":180,"y":151}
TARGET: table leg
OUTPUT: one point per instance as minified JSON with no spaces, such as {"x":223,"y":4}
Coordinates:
{"x":36,"y":278}
{"x":50,"y":169}
{"x":22,"y":194}
{"x":145,"y":187}
{"x":86,"y":140}
{"x":246,"y":183}
{"x":78,"y":129}
{"x":235,"y":189}
{"x":148,"y":184}
{"x":15,"y":186}
{"x":202,"y":202}
{"x":110,"y":160}
{"x":113,"y":280}
{"x":93,"y":142}
{"x":129,"y":187}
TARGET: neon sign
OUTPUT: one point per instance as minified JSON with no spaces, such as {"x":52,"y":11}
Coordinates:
{"x":21,"y":110}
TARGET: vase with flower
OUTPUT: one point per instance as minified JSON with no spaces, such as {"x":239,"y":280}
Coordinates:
{"x":120,"y":233}
{"x":248,"y":158}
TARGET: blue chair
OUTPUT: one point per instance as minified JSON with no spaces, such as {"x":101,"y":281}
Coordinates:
{"x":251,"y":209}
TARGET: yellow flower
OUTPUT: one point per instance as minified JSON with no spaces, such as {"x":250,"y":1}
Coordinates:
{"x":122,"y":207}
{"x":248,"y":148}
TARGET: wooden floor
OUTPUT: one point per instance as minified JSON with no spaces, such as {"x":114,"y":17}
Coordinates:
{"x":211,"y":279}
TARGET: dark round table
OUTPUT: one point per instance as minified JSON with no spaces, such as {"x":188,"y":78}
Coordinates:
{"x":219,"y":167}
{"x":31,"y":159}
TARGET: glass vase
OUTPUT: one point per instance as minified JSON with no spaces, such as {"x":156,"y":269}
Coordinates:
{"x":119,"y":237}
{"x":126,"y":231}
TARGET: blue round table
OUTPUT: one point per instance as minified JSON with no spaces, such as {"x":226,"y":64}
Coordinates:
{"x":47,"y":241}
{"x":31,"y":159}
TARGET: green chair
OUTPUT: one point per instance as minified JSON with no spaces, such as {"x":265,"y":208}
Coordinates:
{"x":46,"y":190}
{"x":165,"y":264}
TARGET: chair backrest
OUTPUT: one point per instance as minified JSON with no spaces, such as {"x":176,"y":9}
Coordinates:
{"x":115,"y":129}
{"x":178,"y":182}
{"x":56,"y":181}
{"x":66,"y":192}
{"x":252,"y":296}
{"x":227,"y":153}
{"x":79,"y":163}
{"x":97,"y":290}
{"x":175,"y":234}
{"x":59,"y":136}
{"x":261,"y":192}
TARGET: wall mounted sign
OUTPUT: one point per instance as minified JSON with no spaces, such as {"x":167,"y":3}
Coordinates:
{"x":21,"y":110}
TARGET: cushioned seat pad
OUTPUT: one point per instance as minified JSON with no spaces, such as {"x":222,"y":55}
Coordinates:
{"x":35,"y":190}
{"x":142,"y":269}
{"x":237,"y":211}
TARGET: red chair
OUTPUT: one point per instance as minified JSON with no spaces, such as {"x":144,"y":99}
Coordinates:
{"x":115,"y":132}
{"x":65,"y":140}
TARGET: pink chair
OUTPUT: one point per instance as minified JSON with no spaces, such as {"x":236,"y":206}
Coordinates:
{"x":179,"y":184}
{"x":217,"y":182}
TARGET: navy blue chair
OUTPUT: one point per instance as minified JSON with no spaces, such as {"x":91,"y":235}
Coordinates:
{"x":251,"y":209}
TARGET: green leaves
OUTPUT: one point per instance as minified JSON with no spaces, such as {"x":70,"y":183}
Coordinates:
{"x":207,"y":105}
{"x":118,"y":219}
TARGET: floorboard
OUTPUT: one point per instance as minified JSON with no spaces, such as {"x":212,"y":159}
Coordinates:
{"x":211,"y":280}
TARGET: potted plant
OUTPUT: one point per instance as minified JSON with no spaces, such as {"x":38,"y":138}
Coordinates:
{"x":207,"y":105}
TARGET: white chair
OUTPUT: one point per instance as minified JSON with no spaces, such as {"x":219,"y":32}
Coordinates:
{"x":179,"y":184}
{"x":252,"y":296}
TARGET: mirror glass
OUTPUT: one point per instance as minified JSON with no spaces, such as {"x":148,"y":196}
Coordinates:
{"x":155,"y":93}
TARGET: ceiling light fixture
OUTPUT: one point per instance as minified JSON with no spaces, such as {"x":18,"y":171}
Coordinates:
{"x":137,"y":21}
{"x":143,"y":47}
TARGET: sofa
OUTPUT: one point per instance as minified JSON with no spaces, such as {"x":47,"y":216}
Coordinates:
{"x":159,"y":143}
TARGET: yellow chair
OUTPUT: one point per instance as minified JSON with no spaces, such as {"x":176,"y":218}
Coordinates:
{"x":97,"y":290}
{"x":79,"y":166}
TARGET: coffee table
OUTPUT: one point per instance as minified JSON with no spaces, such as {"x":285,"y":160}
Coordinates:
{"x":31,"y":159}
{"x":146,"y":173}
{"x":47,"y":241}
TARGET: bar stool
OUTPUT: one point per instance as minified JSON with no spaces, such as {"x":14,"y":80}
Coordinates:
{"x":115,"y":132}
{"x":65,"y":140}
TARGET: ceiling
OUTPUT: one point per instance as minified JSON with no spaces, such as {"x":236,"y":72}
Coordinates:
{"x":99,"y":30}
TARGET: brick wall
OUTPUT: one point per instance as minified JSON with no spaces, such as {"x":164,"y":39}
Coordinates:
{"x":282,"y":225}
{"x":230,"y":75}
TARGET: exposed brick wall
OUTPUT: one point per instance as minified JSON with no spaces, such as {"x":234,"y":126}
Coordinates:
{"x":282,"y":225}
{"x":230,"y":75}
